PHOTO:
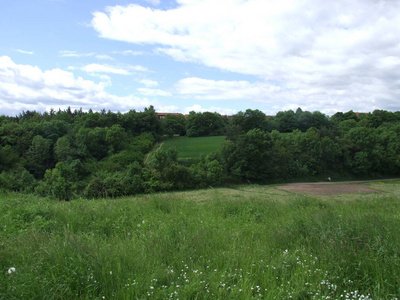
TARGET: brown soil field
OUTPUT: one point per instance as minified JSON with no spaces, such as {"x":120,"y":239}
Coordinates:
{"x":327,"y":188}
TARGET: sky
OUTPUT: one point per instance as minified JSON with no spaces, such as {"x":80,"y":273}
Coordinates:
{"x":200,"y":55}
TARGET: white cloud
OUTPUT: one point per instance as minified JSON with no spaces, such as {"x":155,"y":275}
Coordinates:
{"x":329,"y":55}
{"x":167,"y":108}
{"x":138,"y":68}
{"x":129,"y":52}
{"x":24,"y":87}
{"x":24,"y":51}
{"x":97,"y":68}
{"x":206,"y":89}
{"x":124,"y":70}
{"x":199,"y":108}
{"x":153,"y":92}
{"x":277,"y":97}
{"x":68,"y":53}
{"x":104,"y":57}
{"x":148,"y":82}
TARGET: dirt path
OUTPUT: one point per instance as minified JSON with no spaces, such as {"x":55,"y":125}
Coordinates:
{"x":345,"y":182}
{"x":332,"y":188}
{"x":151,"y":152}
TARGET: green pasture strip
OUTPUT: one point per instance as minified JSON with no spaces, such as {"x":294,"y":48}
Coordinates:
{"x":244,"y":242}
{"x":194,"y":147}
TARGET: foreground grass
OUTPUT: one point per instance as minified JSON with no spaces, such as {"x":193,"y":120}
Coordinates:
{"x":247,"y":242}
{"x":189,"y":148}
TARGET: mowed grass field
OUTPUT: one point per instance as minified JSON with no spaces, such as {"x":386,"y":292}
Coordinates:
{"x":190,"y":148}
{"x":244,"y":242}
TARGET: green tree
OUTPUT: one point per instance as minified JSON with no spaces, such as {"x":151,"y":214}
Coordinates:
{"x":148,"y":121}
{"x":92,"y":142}
{"x":18,"y":136}
{"x":174,"y":124}
{"x":248,"y":158}
{"x":116,"y":138}
{"x":205,"y":124}
{"x":8,"y":158}
{"x":286,"y":121}
{"x":163,"y":159}
{"x":361,"y":145}
{"x":207,"y":172}
{"x":39,"y":156}
{"x":319,"y":120}
{"x":283,"y":158}
{"x":304,"y":119}
{"x":250,"y":119}
{"x":308,"y":150}
{"x":53,"y":129}
{"x":63,"y":149}
{"x":55,"y":184}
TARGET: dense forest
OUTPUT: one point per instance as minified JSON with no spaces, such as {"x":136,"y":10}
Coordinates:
{"x":66,"y":154}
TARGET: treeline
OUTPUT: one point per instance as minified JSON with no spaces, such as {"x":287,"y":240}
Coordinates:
{"x":69,"y":153}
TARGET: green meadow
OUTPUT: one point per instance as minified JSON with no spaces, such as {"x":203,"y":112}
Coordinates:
{"x":194,"y":147}
{"x":243,"y":242}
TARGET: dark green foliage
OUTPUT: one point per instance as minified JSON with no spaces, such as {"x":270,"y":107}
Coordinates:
{"x":17,"y":179}
{"x":204,"y":124}
{"x":92,"y":142}
{"x":340,"y":116}
{"x":55,"y":184}
{"x":116,"y":138}
{"x":174,"y":124}
{"x":248,"y":158}
{"x":286,"y":121}
{"x":163,"y":159}
{"x":167,"y":171}
{"x":250,"y":119}
{"x":350,"y":149}
{"x":63,"y":149}
{"x":8,"y":158}
{"x":119,"y":161}
{"x":18,"y":136}
{"x":132,"y":180}
{"x":102,"y":154}
{"x":233,"y":132}
{"x":143,"y":143}
{"x":209,"y":171}
{"x":105,"y":185}
{"x":142,"y":122}
{"x":39,"y":156}
{"x":53,"y":129}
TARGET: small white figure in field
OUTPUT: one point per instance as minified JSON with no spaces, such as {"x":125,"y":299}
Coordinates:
{"x":11,"y":270}
{"x":329,"y":179}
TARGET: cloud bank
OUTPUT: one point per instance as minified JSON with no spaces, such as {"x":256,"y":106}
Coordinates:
{"x":326,"y":55}
{"x":24,"y":87}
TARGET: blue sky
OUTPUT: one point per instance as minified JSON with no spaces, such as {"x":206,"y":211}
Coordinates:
{"x":202,"y":55}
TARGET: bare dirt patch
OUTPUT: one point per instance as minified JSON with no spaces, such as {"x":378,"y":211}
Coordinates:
{"x":327,"y":188}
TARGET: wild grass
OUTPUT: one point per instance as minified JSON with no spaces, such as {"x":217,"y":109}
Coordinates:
{"x":246,"y":242}
{"x":189,"y":148}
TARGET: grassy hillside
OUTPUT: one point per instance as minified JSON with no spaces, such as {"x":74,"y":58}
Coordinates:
{"x":189,"y":148}
{"x":247,"y":242}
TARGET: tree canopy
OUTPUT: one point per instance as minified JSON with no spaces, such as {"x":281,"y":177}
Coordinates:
{"x":66,"y":154}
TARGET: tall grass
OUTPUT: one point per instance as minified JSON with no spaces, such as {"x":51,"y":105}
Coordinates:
{"x":247,"y":242}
